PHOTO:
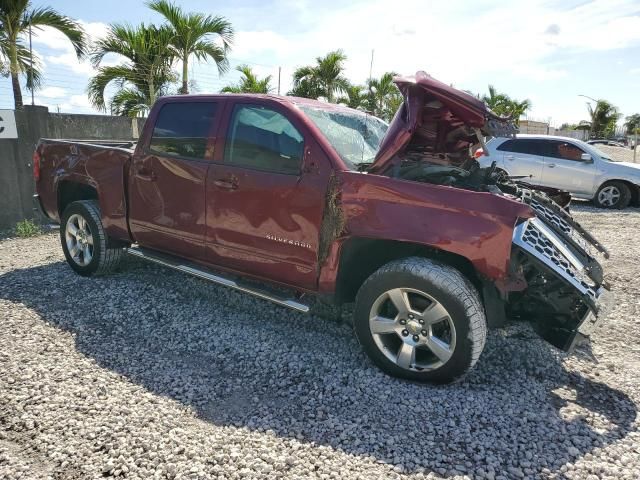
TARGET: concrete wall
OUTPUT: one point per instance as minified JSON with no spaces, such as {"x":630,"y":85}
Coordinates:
{"x":33,"y":123}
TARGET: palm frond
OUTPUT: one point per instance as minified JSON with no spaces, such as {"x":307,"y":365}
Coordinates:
{"x":48,"y":17}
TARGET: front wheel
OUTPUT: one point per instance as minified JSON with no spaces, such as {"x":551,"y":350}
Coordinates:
{"x":421,"y":320}
{"x":84,"y":241}
{"x":613,"y":195}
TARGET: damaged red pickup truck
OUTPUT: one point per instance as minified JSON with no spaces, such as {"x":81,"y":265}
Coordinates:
{"x":290,"y":199}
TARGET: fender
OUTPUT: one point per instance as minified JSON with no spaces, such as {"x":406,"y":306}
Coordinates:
{"x":475,"y":225}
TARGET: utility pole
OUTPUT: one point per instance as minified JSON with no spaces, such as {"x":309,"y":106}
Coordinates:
{"x":279,"y":72}
{"x":31,"y":63}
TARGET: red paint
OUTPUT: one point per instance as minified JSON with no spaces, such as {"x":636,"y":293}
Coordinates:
{"x":266,"y":225}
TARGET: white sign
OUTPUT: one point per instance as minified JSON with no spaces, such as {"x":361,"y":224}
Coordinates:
{"x":8,"y":124}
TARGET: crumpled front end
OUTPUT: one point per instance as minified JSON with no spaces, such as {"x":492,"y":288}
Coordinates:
{"x":566,"y":295}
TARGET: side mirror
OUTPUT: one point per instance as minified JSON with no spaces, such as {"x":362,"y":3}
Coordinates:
{"x":586,"y":158}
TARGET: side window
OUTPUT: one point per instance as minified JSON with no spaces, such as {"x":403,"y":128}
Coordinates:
{"x":565,"y":151}
{"x":523,"y":145}
{"x":263,"y":139}
{"x":183,"y":129}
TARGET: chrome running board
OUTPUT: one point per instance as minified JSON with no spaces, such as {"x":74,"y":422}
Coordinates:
{"x":195,"y":270}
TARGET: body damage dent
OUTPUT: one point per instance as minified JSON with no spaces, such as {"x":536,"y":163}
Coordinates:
{"x":475,"y":225}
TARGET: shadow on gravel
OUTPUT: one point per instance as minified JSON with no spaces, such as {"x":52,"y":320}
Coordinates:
{"x":243,"y":362}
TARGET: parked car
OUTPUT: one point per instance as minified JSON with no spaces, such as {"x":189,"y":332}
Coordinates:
{"x":290,"y":199}
{"x":610,"y":143}
{"x":566,"y":164}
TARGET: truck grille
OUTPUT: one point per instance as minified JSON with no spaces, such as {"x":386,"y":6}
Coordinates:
{"x":561,"y":225}
{"x":535,"y":238}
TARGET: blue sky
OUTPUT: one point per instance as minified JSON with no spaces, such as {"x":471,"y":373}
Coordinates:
{"x":547,"y":51}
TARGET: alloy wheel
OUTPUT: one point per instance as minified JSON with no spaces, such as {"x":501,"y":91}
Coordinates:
{"x":609,"y":196}
{"x":79,"y":240}
{"x":412,"y":329}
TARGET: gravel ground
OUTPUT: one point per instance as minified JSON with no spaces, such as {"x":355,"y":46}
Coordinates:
{"x":151,"y":374}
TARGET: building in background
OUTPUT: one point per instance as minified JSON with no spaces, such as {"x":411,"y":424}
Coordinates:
{"x":536,"y":127}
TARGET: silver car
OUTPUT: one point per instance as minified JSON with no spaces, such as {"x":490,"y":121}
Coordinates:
{"x":566,"y":164}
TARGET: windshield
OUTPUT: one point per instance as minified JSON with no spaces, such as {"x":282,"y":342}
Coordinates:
{"x":600,"y":153}
{"x":355,"y":136}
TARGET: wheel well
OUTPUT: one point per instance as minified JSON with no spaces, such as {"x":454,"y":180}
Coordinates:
{"x":360,"y":257}
{"x":71,"y":192}
{"x":633,"y":188}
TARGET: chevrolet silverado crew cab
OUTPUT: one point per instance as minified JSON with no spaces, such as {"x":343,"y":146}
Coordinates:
{"x":291,"y":199}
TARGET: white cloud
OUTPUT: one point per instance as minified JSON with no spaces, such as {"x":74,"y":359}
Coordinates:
{"x":63,"y":52}
{"x":449,"y":39}
{"x":52,"y":92}
{"x":55,"y":40}
{"x":635,"y":71}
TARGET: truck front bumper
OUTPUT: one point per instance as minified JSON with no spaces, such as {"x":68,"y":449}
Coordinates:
{"x":561,"y":259}
{"x":604,"y":303}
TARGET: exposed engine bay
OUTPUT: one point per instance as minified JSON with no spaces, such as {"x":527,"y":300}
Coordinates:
{"x":553,"y":256}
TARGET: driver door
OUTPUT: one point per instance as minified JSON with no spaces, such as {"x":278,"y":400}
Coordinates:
{"x":564,"y":168}
{"x":264,"y":208}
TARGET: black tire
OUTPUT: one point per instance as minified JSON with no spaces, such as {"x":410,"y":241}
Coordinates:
{"x":446,"y":286}
{"x":621,"y":195}
{"x":104,"y":257}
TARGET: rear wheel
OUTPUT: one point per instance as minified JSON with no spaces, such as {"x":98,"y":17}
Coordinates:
{"x":613,"y":195}
{"x":84,"y":241}
{"x":421,"y":320}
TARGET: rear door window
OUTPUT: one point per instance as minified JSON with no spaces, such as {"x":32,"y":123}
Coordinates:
{"x":263,"y":139}
{"x":183,"y":129}
{"x":528,"y":146}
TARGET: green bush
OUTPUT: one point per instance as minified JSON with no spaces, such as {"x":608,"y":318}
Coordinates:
{"x":27,"y":228}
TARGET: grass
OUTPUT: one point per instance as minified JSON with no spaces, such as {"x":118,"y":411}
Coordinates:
{"x":27,"y":228}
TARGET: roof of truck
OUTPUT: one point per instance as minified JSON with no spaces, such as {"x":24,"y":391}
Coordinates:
{"x":279,"y":98}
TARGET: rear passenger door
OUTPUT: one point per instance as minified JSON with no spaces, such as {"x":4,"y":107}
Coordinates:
{"x":168,"y":175}
{"x":524,"y":157}
{"x":263,"y":210}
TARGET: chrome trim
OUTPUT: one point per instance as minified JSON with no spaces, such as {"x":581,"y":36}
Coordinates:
{"x":176,"y":264}
{"x":574,"y":272}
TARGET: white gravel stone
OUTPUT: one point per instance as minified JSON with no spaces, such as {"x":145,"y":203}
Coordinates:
{"x":148,"y":373}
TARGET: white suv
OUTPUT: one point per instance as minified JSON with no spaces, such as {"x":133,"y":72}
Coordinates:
{"x":566,"y":164}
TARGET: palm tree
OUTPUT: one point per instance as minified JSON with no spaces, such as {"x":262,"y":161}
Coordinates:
{"x":192,"y":36}
{"x":383,"y":97}
{"x":144,"y":76}
{"x":355,"y":97}
{"x":502,"y":104}
{"x":16,"y":16}
{"x":632,"y":123}
{"x":249,"y":82}
{"x":498,"y":102}
{"x":603,"y":118}
{"x":324,"y":79}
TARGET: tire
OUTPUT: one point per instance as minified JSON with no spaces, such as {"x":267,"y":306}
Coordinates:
{"x":92,"y":254}
{"x":431,"y":290}
{"x":614,"y":195}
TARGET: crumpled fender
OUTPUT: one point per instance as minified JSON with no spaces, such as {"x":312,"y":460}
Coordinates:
{"x":475,"y":225}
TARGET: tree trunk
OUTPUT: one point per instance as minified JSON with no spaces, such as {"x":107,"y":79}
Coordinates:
{"x":152,"y":92}
{"x":14,"y":68}
{"x":17,"y":92}
{"x":185,"y":76}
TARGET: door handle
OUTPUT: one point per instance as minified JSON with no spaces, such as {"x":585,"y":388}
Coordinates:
{"x":145,"y":173}
{"x":510,"y":157}
{"x":226,"y":184}
{"x":551,"y":165}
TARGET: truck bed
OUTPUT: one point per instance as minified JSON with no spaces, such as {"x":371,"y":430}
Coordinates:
{"x":100,"y":165}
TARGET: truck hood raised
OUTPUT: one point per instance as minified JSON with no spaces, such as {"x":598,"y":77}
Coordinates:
{"x":438,"y":119}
